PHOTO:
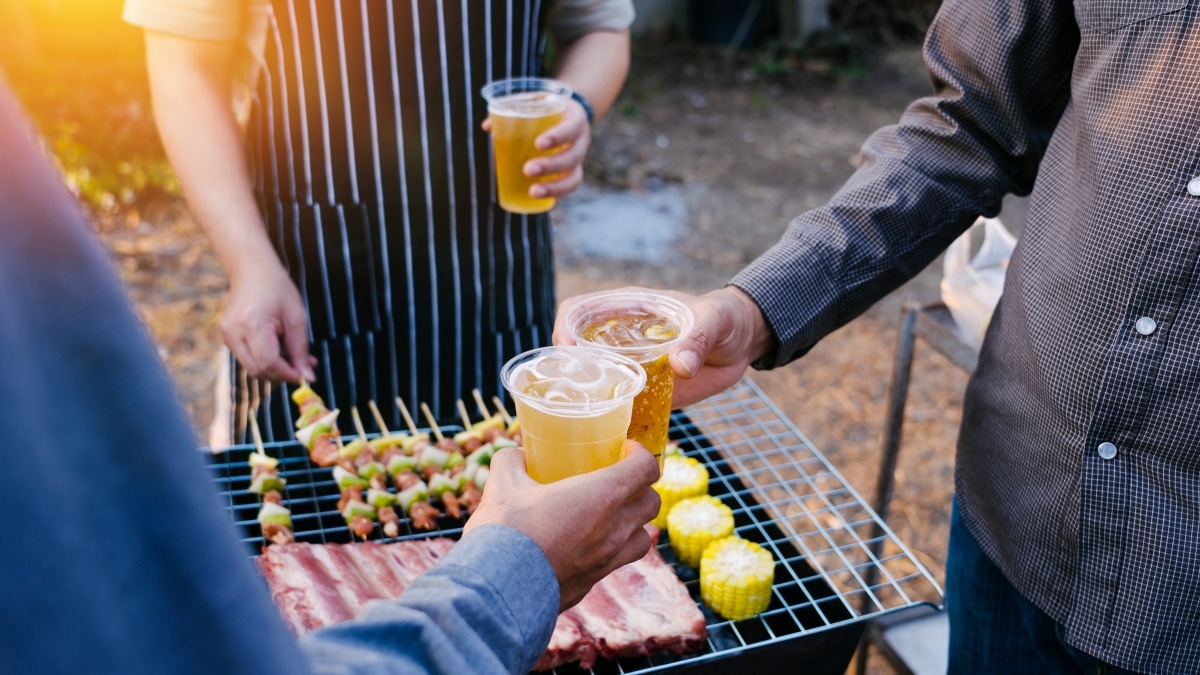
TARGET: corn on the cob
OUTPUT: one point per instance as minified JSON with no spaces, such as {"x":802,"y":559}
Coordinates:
{"x":682,"y":477}
{"x":736,"y":577}
{"x":695,"y":523}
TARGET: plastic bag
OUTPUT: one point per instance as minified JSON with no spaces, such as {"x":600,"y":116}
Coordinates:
{"x":971,"y":286}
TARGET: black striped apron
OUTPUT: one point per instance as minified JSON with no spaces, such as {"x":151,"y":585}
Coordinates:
{"x":375,"y":183}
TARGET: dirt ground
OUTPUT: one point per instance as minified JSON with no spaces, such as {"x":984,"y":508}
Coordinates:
{"x":751,"y":142}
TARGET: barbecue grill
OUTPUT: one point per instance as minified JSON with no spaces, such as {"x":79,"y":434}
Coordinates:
{"x":837,"y":565}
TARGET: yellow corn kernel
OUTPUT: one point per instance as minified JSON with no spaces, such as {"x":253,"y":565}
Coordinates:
{"x":736,"y":577}
{"x":694,"y":523}
{"x":682,"y":477}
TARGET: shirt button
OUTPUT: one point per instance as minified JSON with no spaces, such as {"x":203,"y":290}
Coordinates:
{"x":1194,"y":187}
{"x":1146,"y":325}
{"x":1107,"y":451}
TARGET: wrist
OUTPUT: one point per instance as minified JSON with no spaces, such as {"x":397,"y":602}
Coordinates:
{"x":246,"y":266}
{"x":586,"y":105}
{"x":759,"y":338}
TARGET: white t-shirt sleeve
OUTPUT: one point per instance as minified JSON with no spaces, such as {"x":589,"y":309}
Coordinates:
{"x":196,"y":19}
{"x":570,"y":20}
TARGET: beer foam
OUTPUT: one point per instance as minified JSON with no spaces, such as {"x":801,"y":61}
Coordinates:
{"x":575,"y":377}
{"x":528,"y":104}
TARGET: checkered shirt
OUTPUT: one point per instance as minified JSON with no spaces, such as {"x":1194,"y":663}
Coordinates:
{"x":1079,"y":455}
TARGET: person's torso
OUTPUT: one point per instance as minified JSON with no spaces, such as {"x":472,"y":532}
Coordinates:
{"x":1084,"y":414}
{"x":375,"y":181}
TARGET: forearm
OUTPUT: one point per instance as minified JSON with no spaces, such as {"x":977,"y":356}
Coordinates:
{"x":191,"y":85}
{"x":488,"y":607}
{"x":1001,"y":74}
{"x":595,"y":65}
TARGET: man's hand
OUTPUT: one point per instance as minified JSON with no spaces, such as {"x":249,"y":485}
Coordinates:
{"x":729,"y":334}
{"x":563,"y":169}
{"x":266,"y":327}
{"x":587,"y":525}
{"x":571,"y":138}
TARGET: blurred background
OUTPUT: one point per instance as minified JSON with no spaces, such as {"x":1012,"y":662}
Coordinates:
{"x":737,"y":116}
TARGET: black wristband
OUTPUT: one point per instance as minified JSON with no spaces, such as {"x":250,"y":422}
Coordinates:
{"x":587,"y":107}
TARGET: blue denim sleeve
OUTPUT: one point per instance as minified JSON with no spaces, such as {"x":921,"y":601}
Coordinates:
{"x":488,"y":607}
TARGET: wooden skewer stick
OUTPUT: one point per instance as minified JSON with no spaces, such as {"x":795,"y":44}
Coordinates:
{"x":502,"y":410}
{"x":412,"y":426}
{"x":462,"y":410}
{"x":358,"y":425}
{"x":433,"y":425}
{"x":379,"y":418}
{"x":258,"y":444}
{"x":483,"y":409}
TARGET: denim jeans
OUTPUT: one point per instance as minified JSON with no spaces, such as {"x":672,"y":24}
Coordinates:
{"x":994,"y":629}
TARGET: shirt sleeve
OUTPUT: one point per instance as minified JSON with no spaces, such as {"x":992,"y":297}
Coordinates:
{"x":196,"y":19}
{"x":1001,"y":74}
{"x":572,"y":19}
{"x":488,"y":607}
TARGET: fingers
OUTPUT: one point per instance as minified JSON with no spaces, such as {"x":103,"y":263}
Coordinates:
{"x":564,"y":168}
{"x":711,"y":325}
{"x":635,"y":548}
{"x":572,"y":128}
{"x":241,"y":351}
{"x":487,"y":125}
{"x":641,"y":467}
{"x":295,"y":340}
{"x":558,"y":188}
{"x":508,"y":463}
{"x":268,"y":353}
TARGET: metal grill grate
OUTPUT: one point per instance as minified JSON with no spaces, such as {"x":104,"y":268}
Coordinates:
{"x":836,"y":562}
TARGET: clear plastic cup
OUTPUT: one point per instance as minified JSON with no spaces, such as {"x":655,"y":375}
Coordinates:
{"x":521,"y":109}
{"x":574,"y":405}
{"x":644,"y":327}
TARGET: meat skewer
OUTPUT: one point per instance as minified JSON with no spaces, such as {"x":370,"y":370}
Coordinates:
{"x":413,"y":492}
{"x":371,"y":469}
{"x":274,"y":518}
{"x":442,"y":463}
{"x":317,"y":426}
{"x":360,"y":516}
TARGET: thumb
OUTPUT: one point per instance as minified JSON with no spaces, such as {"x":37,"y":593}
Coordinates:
{"x":508,"y":464}
{"x":692,"y":351}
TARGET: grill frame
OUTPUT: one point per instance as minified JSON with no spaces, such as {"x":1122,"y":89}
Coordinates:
{"x":837,"y":563}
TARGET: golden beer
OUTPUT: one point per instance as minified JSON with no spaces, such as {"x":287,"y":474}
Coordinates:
{"x":520,"y":110}
{"x":642,"y":326}
{"x":552,"y":450}
{"x":574,"y":405}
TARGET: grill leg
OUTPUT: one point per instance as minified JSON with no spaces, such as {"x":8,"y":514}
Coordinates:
{"x":894,"y":425}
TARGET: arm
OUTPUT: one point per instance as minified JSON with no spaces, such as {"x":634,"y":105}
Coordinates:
{"x":488,"y":607}
{"x":191,"y":84}
{"x":1001,"y":73}
{"x":528,"y":553}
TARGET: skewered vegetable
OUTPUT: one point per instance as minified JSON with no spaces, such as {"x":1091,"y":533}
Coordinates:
{"x":265,"y":481}
{"x":682,"y":478}
{"x":736,"y":577}
{"x":695,"y":523}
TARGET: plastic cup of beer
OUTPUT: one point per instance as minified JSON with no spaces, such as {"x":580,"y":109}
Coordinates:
{"x":574,"y":405}
{"x":642,"y":326}
{"x":521,"y":109}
